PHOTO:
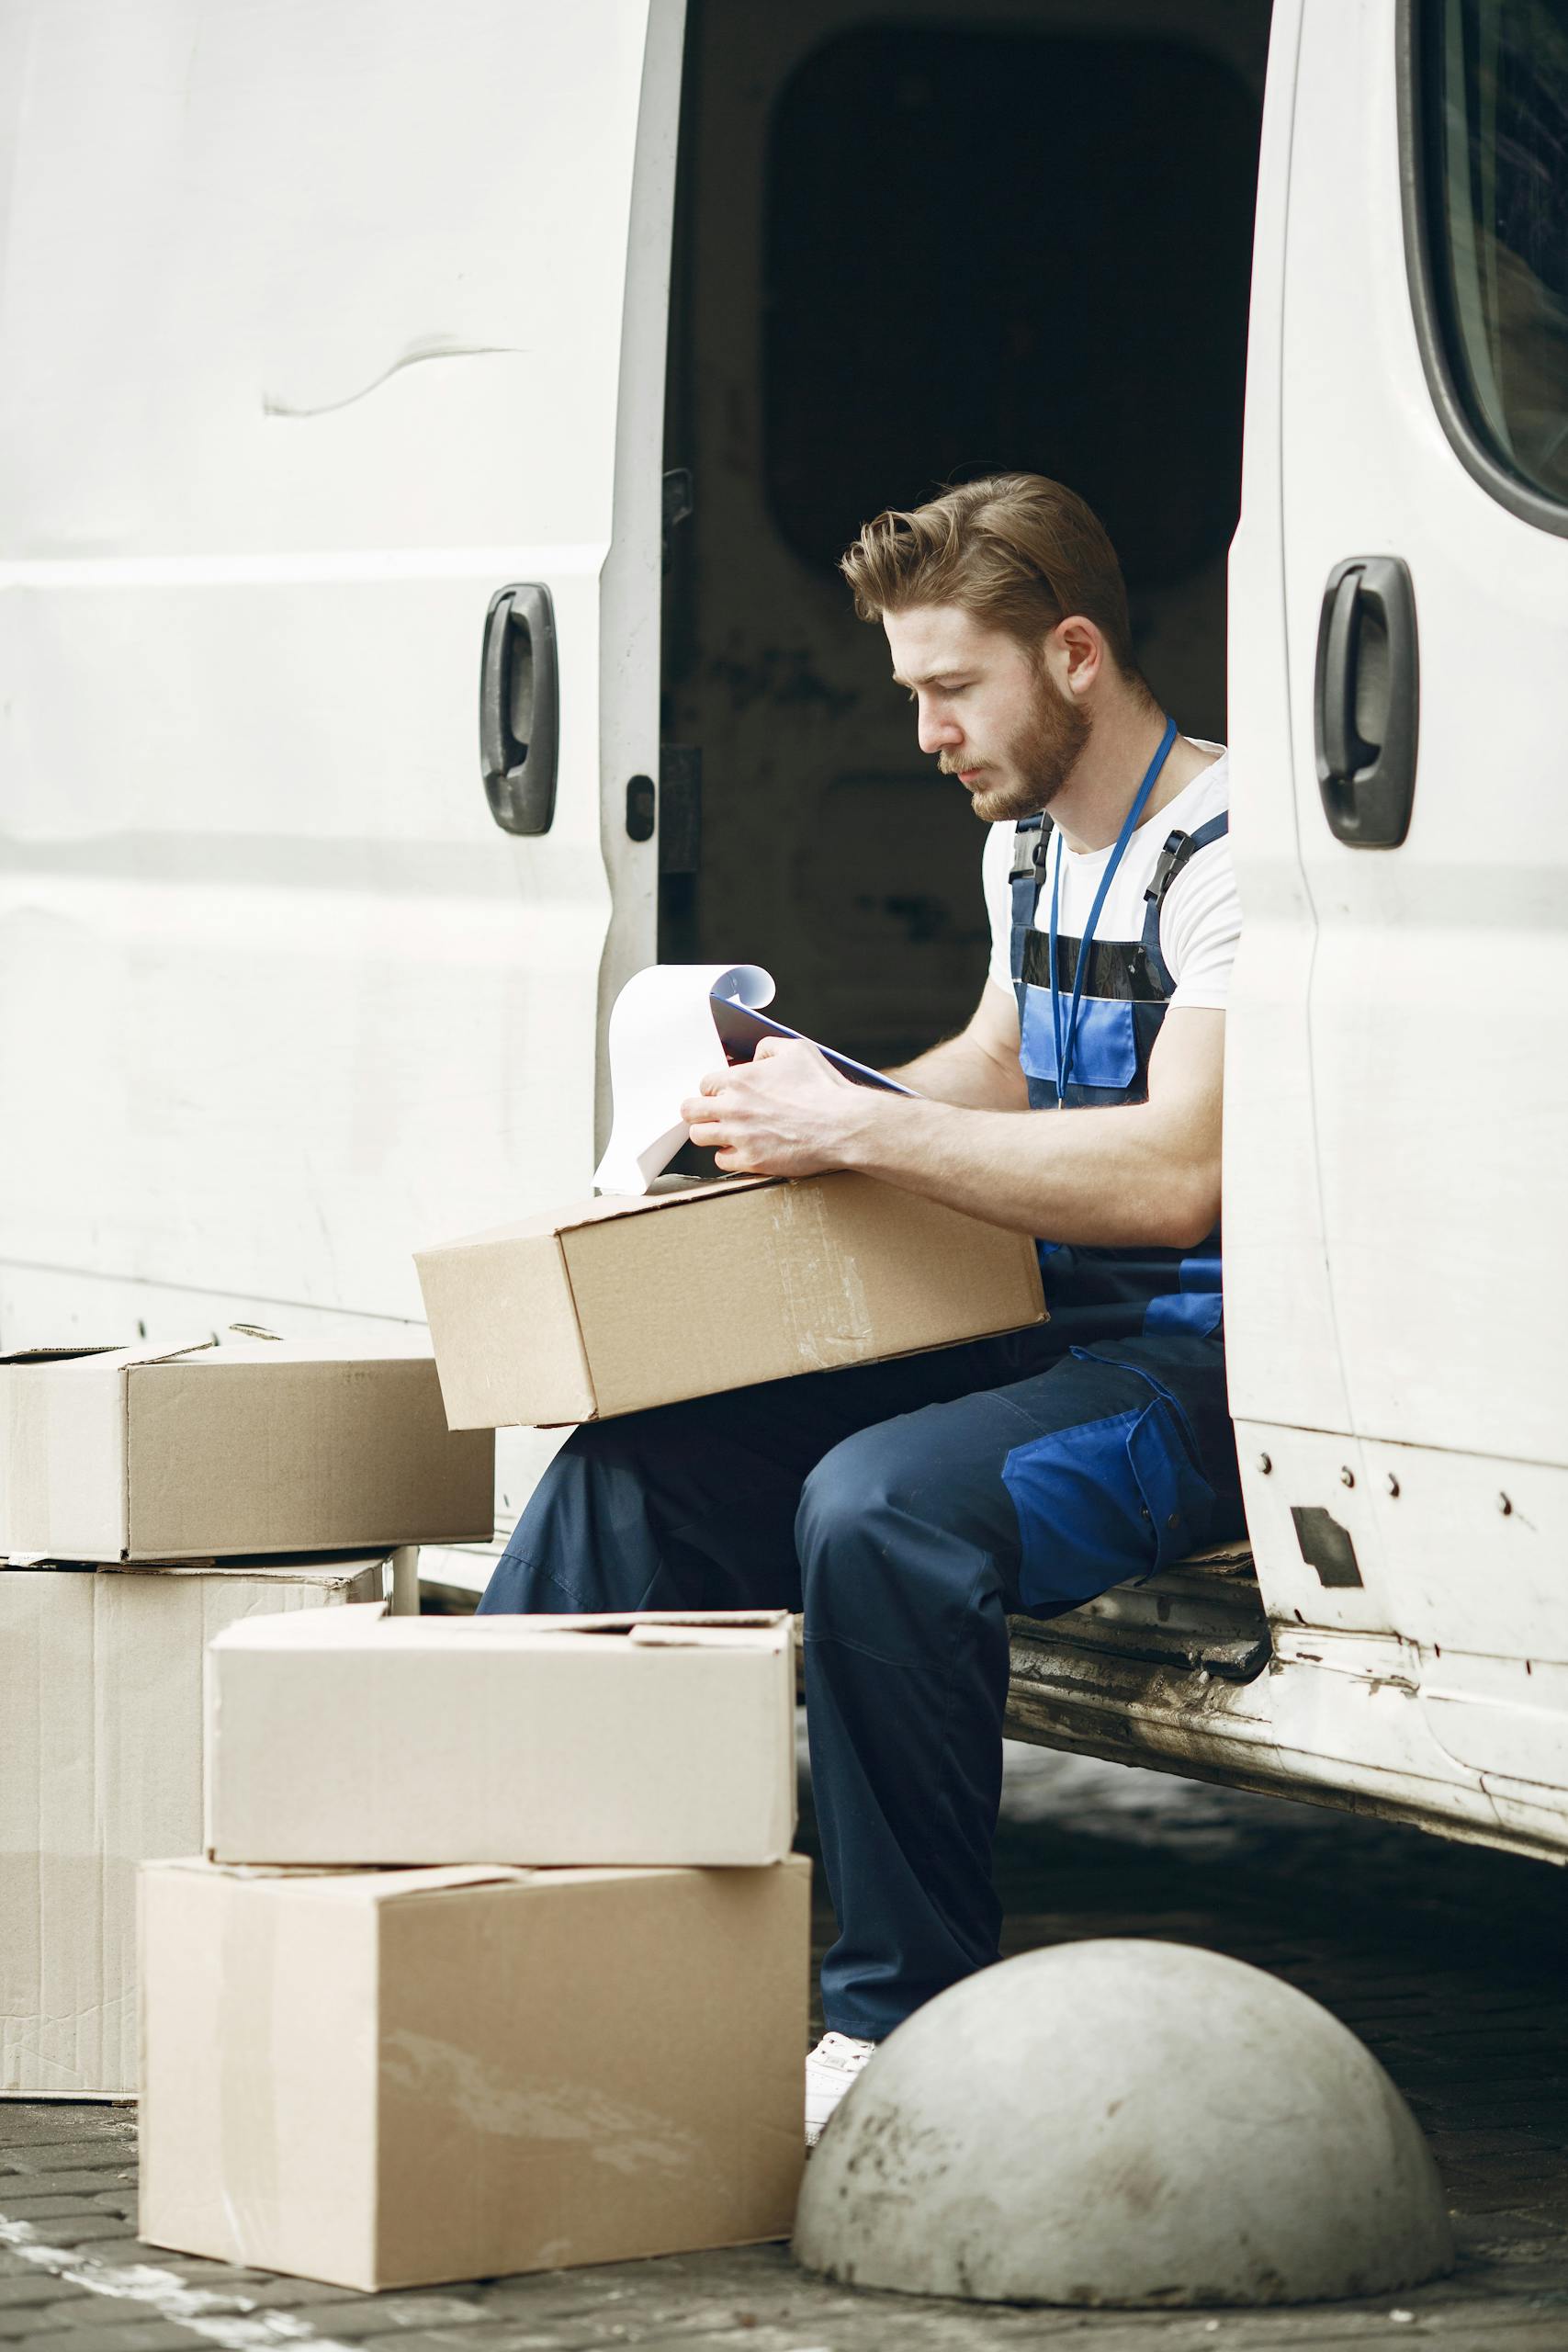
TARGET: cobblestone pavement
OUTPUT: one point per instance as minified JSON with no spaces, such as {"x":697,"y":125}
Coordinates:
{"x":1448,"y":1962}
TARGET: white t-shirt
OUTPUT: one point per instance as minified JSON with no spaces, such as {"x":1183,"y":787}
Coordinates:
{"x":1199,"y":921}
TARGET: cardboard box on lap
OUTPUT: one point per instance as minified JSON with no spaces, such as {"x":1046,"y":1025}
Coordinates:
{"x":622,"y":1303}
{"x":388,"y":2079}
{"x":100,"y":1769}
{"x":251,"y":1447}
{"x":655,"y":1739}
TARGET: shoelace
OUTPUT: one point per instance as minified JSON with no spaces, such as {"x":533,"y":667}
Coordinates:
{"x":842,"y":2051}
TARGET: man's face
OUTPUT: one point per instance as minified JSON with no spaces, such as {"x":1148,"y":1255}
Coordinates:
{"x":994,"y":717}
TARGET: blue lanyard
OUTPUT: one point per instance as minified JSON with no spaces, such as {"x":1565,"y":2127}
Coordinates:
{"x":1129,"y":824}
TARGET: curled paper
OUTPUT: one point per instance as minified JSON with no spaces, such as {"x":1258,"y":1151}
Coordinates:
{"x":664,"y":1039}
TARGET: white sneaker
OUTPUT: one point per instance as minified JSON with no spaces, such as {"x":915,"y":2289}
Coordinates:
{"x":831,"y":2069}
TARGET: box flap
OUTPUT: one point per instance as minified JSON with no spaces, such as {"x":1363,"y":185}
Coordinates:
{"x":355,"y":1884}
{"x":724,"y":1621}
{"x":331,"y":1574}
{"x":338,"y":1628}
{"x":685,"y":1637}
{"x":407,"y":1886}
{"x":253,"y":1347}
{"x":606,"y":1206}
{"x":94,"y":1357}
{"x":229,"y":1355}
{"x":252,"y":1632}
{"x":56,"y":1355}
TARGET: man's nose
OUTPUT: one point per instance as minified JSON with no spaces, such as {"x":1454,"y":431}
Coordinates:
{"x":937,"y":733}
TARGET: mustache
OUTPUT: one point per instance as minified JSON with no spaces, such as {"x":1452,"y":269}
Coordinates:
{"x":948,"y":765}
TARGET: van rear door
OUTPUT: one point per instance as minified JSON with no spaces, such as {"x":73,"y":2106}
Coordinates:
{"x":319,"y":326}
{"x":1423,"y":433}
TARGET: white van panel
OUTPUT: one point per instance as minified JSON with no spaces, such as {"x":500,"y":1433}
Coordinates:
{"x":1281,"y":1352}
{"x":341,"y":356}
{"x":1436,"y":1034}
{"x":1418,"y":1053}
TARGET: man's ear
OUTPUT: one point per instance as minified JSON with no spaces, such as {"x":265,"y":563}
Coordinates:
{"x":1080,"y":654}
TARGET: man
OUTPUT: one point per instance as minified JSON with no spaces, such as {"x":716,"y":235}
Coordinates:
{"x":908,"y":1507}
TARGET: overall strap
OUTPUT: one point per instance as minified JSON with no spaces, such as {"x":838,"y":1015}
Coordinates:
{"x":1064,"y":1035}
{"x":1026,"y":878}
{"x":1179,"y":848}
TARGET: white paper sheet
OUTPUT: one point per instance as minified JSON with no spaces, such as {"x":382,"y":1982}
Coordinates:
{"x":663,"y":1043}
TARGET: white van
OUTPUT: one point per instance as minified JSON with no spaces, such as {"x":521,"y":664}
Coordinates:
{"x":352,"y":350}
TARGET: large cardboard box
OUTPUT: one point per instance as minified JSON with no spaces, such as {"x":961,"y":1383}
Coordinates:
{"x":125,"y":1453}
{"x":100,"y":1769}
{"x":620,"y":1303}
{"x":385,"y":2079}
{"x":652,"y":1739}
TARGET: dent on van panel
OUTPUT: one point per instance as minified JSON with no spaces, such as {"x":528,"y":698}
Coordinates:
{"x":425,"y":347}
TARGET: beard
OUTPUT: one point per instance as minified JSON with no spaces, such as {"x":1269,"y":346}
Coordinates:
{"x":1033,"y":767}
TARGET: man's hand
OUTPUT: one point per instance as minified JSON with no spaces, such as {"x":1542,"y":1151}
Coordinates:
{"x":788,"y":1113}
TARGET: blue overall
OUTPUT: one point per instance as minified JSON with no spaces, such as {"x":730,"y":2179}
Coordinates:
{"x":907,"y":1507}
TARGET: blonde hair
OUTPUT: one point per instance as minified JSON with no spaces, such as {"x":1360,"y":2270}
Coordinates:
{"x":1016,"y":550}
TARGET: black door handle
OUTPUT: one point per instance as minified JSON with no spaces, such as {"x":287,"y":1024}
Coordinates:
{"x":1366,"y":707}
{"x":520,"y":708}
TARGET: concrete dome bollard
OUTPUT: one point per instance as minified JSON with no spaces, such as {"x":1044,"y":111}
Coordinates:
{"x":1124,"y":2123}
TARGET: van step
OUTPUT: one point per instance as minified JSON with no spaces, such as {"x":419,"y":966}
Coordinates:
{"x":1204,"y":1616}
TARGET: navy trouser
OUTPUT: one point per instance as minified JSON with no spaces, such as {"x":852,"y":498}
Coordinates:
{"x":907,"y":1508}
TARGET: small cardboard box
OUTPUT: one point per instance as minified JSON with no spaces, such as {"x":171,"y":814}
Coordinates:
{"x":100,"y":1769}
{"x":620,"y":1303}
{"x":653,"y":1739}
{"x":206,"y":1452}
{"x":388,"y":2079}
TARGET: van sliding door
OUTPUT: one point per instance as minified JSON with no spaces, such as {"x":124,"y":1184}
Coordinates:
{"x":321,"y":325}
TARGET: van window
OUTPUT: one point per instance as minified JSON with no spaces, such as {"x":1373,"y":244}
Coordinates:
{"x":1495,"y":126}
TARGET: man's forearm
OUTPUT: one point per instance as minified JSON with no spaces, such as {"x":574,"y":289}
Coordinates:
{"x":960,"y":1070}
{"x":1111,"y":1179}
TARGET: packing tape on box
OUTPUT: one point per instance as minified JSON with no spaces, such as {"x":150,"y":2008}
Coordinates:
{"x":799,"y":1245}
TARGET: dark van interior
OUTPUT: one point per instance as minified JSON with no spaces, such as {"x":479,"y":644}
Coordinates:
{"x":915,"y":243}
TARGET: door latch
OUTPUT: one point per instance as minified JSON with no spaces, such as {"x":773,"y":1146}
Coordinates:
{"x":520,"y":708}
{"x":1365,"y":704}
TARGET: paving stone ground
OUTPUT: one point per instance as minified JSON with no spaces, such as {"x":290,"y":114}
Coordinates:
{"x":1449,"y":1962}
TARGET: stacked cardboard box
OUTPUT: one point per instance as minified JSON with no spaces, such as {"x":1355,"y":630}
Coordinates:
{"x":149,"y":1499}
{"x":232,"y":1452}
{"x":525,"y":1986}
{"x":497,"y":1956}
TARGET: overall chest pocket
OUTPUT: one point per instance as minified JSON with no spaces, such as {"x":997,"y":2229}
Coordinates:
{"x":1105,"y":1046}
